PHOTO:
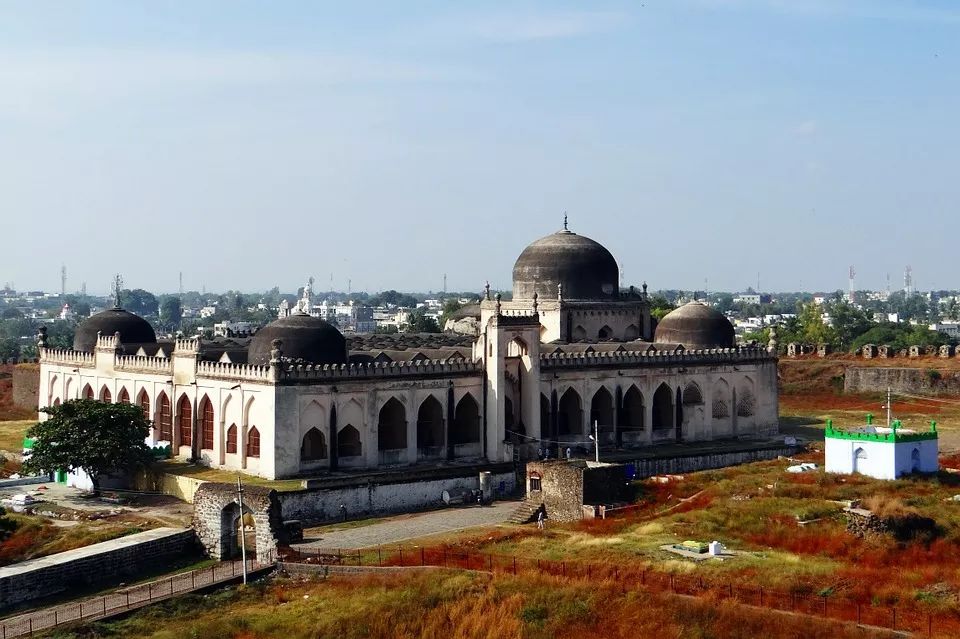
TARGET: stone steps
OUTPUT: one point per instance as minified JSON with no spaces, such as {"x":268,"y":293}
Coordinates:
{"x":525,"y":513}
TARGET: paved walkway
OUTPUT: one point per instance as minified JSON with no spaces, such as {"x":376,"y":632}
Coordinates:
{"x":404,"y":527}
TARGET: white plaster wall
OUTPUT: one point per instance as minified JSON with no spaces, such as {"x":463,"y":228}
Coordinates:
{"x":885,"y":460}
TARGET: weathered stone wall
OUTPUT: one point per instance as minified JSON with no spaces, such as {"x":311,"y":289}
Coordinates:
{"x":323,"y":504}
{"x":876,"y":379}
{"x":26,"y":385}
{"x":561,"y":488}
{"x":98,"y":565}
{"x":693,"y":463}
{"x":216,"y":509}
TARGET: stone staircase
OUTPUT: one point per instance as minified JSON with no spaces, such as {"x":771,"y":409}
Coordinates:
{"x":524,"y":513}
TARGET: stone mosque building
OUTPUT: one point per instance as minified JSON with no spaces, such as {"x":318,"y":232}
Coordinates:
{"x":569,"y":350}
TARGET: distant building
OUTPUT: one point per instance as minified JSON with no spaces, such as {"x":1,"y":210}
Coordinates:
{"x":234,"y":329}
{"x":752,"y":298}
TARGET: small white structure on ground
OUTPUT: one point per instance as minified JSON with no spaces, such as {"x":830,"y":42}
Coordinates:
{"x":883,"y":453}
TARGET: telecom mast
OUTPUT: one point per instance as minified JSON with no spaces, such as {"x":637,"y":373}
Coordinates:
{"x":63,"y":279}
{"x":908,"y":280}
{"x":853,"y":274}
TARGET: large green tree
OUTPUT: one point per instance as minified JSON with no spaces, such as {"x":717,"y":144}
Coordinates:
{"x":420,"y":322}
{"x":99,"y":438}
{"x":139,"y":301}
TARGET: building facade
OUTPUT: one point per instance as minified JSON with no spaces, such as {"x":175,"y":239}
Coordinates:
{"x":299,"y":399}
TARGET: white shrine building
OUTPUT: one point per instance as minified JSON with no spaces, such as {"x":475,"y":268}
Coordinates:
{"x":881,"y":452}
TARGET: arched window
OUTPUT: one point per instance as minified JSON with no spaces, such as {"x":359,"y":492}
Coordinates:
{"x":663,"y":408}
{"x":253,"y":442}
{"x":601,"y":410}
{"x":232,"y":439}
{"x":87,"y":392}
{"x":631,"y":333}
{"x":348,"y":442}
{"x":579,"y":333}
{"x":691,"y":394}
{"x":124,"y":397}
{"x":746,"y":402}
{"x":105,"y":395}
{"x":632,"y":413}
{"x":430,"y":426}
{"x":392,"y":426}
{"x":206,"y":423}
{"x":466,"y":421}
{"x":164,"y":417}
{"x":605,"y":333}
{"x":720,"y":409}
{"x":56,"y":402}
{"x":143,"y":401}
{"x":185,"y":421}
{"x":570,"y":414}
{"x":314,"y":446}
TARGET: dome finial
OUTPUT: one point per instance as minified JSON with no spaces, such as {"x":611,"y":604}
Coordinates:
{"x":117,"y":287}
{"x":536,"y":303}
{"x":486,"y":288}
{"x":565,"y":221}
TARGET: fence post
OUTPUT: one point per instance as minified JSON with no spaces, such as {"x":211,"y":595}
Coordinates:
{"x":422,"y":562}
{"x":56,"y":617}
{"x":671,"y":583}
{"x":401,"y":555}
{"x":359,"y":558}
{"x":929,"y":625}
{"x":761,"y":596}
{"x":894,"y":618}
{"x":824,"y":605}
{"x":193,"y":576}
{"x":563,"y":568}
{"x":858,"y":613}
{"x":379,"y":557}
{"x":490,"y":562}
{"x":643,"y":576}
{"x":730,"y":586}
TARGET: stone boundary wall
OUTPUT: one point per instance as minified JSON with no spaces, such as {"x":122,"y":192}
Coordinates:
{"x":876,"y":379}
{"x":120,"y":559}
{"x":323,"y":504}
{"x":26,"y":386}
{"x":692,"y":463}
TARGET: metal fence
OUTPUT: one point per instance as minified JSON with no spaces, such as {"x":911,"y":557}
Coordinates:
{"x":128,"y":598}
{"x":908,"y":617}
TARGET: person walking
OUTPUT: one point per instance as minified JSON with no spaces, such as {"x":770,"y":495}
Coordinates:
{"x":541,"y":515}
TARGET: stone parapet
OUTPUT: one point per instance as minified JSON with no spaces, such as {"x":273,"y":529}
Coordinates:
{"x":330,"y":372}
{"x":143,"y":364}
{"x":224,"y":370}
{"x":66,"y":356}
{"x":653,"y":357}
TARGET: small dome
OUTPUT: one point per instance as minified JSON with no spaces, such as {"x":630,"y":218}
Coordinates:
{"x":584,"y":267}
{"x":695,"y":325}
{"x":133,"y":329}
{"x":303,"y":337}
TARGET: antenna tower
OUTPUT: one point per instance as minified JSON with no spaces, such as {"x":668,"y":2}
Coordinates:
{"x":83,"y":289}
{"x":444,"y":284}
{"x":181,"y":287}
{"x":908,"y":280}
{"x":63,"y":279}
{"x":853,"y":274}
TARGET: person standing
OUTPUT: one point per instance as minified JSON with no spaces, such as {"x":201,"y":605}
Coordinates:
{"x":541,"y":515}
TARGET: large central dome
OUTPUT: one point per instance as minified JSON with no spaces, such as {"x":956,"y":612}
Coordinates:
{"x":584,"y":267}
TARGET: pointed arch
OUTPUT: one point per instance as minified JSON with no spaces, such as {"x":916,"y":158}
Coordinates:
{"x":313,"y":447}
{"x":631,"y":332}
{"x":601,"y":412}
{"x":430,"y":428}
{"x":746,"y":400}
{"x":66,"y":390}
{"x":663,"y":408}
{"x":579,"y":333}
{"x":633,"y":412}
{"x":392,"y":426}
{"x":720,"y":409}
{"x":87,"y":392}
{"x":185,"y":421}
{"x":206,"y":423}
{"x":124,"y":396}
{"x":56,"y":402}
{"x":105,"y":395}
{"x":466,"y":422}
{"x":605,"y":333}
{"x":517,"y":348}
{"x":143,"y":401}
{"x":164,"y":418}
{"x":570,"y":414}
{"x":313,"y":416}
{"x":692,"y":394}
{"x":253,"y":442}
{"x":348,"y":442}
{"x":232,"y":438}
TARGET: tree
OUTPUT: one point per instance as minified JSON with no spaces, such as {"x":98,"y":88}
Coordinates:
{"x":659,"y":306}
{"x":99,"y":438}
{"x":420,"y":322}
{"x":139,"y":301}
{"x":812,"y":328}
{"x":849,"y":323}
{"x":171,"y":312}
{"x":11,"y":312}
{"x":450,"y":307}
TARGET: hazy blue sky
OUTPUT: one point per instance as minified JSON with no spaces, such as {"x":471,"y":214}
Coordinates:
{"x":252,"y":144}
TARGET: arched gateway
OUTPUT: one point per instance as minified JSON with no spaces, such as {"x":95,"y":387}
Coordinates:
{"x":217,"y":516}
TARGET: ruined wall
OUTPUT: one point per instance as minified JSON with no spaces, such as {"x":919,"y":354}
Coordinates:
{"x":26,"y":385}
{"x":876,"y":379}
{"x":561,"y":490}
{"x":692,"y":463}
{"x":124,"y":559}
{"x":323,"y":504}
{"x":215,"y":507}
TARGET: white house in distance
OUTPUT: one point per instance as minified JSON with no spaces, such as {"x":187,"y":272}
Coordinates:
{"x":880,"y":452}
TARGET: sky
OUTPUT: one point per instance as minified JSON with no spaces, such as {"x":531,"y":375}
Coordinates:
{"x":706,"y":143}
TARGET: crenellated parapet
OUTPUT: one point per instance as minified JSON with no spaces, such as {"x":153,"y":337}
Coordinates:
{"x":143,"y":364}
{"x":419,"y":368}
{"x":226,"y":370}
{"x":187,"y":345}
{"x":66,"y":356}
{"x":652,"y":357}
{"x":108,"y":342}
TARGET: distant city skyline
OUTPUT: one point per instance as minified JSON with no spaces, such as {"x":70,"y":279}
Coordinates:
{"x":251,"y":146}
